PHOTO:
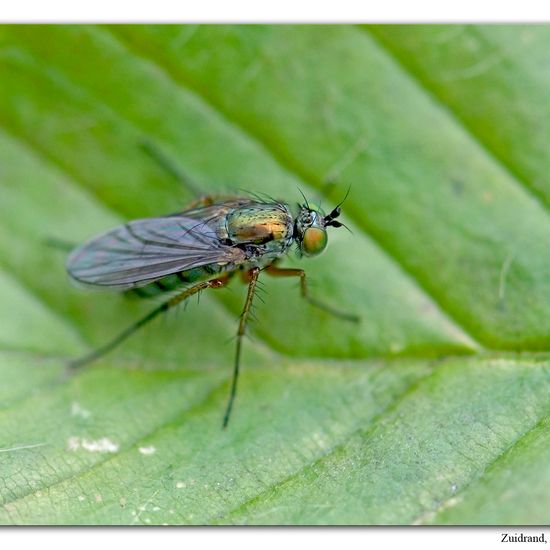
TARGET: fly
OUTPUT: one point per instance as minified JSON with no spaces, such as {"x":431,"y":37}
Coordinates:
{"x":202,"y":247}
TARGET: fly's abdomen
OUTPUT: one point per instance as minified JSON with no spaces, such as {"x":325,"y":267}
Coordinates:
{"x":176,"y":281}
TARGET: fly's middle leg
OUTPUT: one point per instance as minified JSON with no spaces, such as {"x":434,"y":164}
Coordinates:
{"x":252,"y":282}
{"x":275,"y":271}
{"x":174,"y":301}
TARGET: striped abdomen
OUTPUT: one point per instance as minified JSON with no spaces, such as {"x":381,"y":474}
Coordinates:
{"x":175,"y":281}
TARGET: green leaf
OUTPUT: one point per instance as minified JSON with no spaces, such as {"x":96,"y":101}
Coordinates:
{"x":433,"y":409}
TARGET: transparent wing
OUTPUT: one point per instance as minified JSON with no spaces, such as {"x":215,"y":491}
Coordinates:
{"x":143,"y":251}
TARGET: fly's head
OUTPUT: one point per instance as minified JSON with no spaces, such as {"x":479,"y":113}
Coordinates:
{"x":310,"y":229}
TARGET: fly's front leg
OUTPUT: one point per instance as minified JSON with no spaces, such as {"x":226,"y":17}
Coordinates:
{"x":174,"y":301}
{"x":290,"y":272}
{"x":252,"y":282}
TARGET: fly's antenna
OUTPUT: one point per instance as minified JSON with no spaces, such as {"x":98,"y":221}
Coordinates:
{"x":345,"y":197}
{"x":330,"y":219}
{"x":326,"y":190}
{"x":304,"y":197}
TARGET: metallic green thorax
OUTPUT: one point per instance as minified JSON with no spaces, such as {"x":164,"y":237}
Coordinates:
{"x":268,"y":226}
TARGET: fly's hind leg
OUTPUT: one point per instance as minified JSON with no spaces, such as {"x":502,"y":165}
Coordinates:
{"x":290,"y":272}
{"x":174,"y":301}
{"x":252,"y":282}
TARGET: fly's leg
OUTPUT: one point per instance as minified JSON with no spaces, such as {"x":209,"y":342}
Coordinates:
{"x":253,"y":280}
{"x":59,"y":244}
{"x":100,"y":352}
{"x":165,"y":162}
{"x":290,"y":272}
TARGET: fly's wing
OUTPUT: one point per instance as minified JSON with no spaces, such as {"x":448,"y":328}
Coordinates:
{"x":142,"y":251}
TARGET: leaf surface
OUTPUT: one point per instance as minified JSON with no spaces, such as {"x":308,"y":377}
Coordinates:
{"x":433,"y":409}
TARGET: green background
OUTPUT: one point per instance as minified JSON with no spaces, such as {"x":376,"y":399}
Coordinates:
{"x":433,"y":409}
